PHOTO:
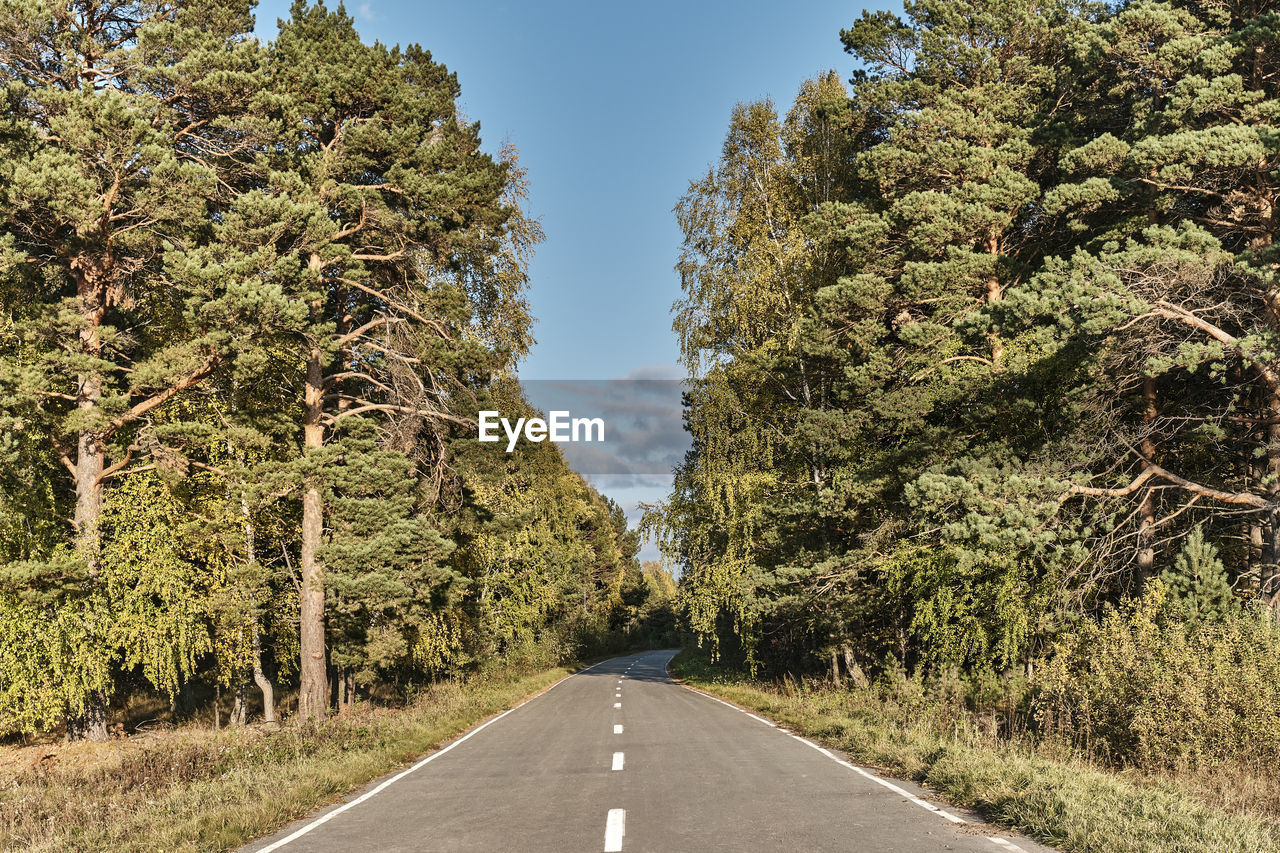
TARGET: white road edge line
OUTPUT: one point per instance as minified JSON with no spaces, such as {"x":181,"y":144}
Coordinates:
{"x":617,"y":729}
{"x":999,"y":842}
{"x":768,"y":723}
{"x":618,"y":758}
{"x":885,"y":782}
{"x":325,"y":818}
{"x":615,"y":827}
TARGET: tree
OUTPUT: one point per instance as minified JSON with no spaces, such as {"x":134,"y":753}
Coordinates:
{"x":373,"y":203}
{"x":118,"y":120}
{"x":907,"y":211}
{"x":761,"y":392}
{"x":1188,"y":299}
{"x":1197,"y":584}
{"x":386,"y":572}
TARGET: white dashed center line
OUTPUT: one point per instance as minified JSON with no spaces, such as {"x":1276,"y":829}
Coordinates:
{"x":617,"y":761}
{"x":617,"y":729}
{"x":617,"y":704}
{"x":614,"y":829}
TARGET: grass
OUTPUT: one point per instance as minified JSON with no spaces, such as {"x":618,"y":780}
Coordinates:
{"x":1040,"y":789}
{"x":205,"y":789}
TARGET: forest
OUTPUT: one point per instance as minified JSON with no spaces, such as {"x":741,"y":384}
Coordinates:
{"x":982,"y":343}
{"x":984,"y":355}
{"x":252,"y":295}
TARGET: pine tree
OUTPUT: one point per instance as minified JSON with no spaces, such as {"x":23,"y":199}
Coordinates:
{"x":119,"y":118}
{"x":1176,"y":290}
{"x":385,"y":564}
{"x":1197,"y":584}
{"x":375,"y":213}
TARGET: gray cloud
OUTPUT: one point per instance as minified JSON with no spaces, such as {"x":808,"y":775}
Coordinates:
{"x":644,"y":432}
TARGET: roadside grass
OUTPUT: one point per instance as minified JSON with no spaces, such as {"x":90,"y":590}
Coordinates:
{"x":1040,"y":789}
{"x":201,"y":789}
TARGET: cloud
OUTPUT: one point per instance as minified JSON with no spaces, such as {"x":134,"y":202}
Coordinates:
{"x":644,"y":426}
{"x":656,"y":371}
{"x":365,"y":12}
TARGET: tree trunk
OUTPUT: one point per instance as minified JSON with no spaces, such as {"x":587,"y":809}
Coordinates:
{"x":313,"y":694}
{"x":345,"y":684}
{"x":264,"y":683}
{"x":89,"y":465}
{"x":88,"y":515}
{"x":1253,"y":551}
{"x":835,"y":668}
{"x":91,"y":724}
{"x":1147,"y":509}
{"x":856,"y":675}
{"x":240,"y":704}
{"x":1270,"y":569}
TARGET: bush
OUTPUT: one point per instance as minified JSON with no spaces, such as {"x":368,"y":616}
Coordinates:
{"x":1148,"y":687}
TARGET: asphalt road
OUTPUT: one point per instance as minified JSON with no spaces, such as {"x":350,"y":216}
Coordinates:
{"x":620,"y":758}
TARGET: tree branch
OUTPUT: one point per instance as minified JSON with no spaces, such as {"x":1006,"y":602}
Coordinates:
{"x":372,"y":324}
{"x":404,"y":410}
{"x":1154,"y":470}
{"x":164,"y":396}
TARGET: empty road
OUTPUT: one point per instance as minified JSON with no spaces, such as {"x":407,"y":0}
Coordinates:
{"x":620,"y":758}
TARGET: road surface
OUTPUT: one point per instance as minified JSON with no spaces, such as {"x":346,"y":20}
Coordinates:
{"x":620,"y":758}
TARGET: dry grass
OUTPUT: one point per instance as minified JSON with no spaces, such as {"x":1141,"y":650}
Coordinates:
{"x":196,"y":788}
{"x":1041,"y":789}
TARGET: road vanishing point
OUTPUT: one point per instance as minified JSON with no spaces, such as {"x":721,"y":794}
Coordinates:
{"x":618,"y":757}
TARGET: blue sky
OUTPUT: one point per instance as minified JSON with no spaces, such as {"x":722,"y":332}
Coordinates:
{"x":614,"y":108}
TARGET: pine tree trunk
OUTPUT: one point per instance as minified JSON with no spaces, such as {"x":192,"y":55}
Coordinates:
{"x":88,"y":514}
{"x":90,"y":304}
{"x":89,"y":465}
{"x":313,"y":694}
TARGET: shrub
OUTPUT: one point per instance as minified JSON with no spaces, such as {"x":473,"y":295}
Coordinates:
{"x":1145,"y":686}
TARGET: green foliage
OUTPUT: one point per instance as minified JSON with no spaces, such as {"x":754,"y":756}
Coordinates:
{"x":1143,"y":687}
{"x":962,"y":612}
{"x":543,"y":554}
{"x":980,"y":345}
{"x":157,"y":596}
{"x":236,"y":275}
{"x":387,"y":583}
{"x":1197,"y":586}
